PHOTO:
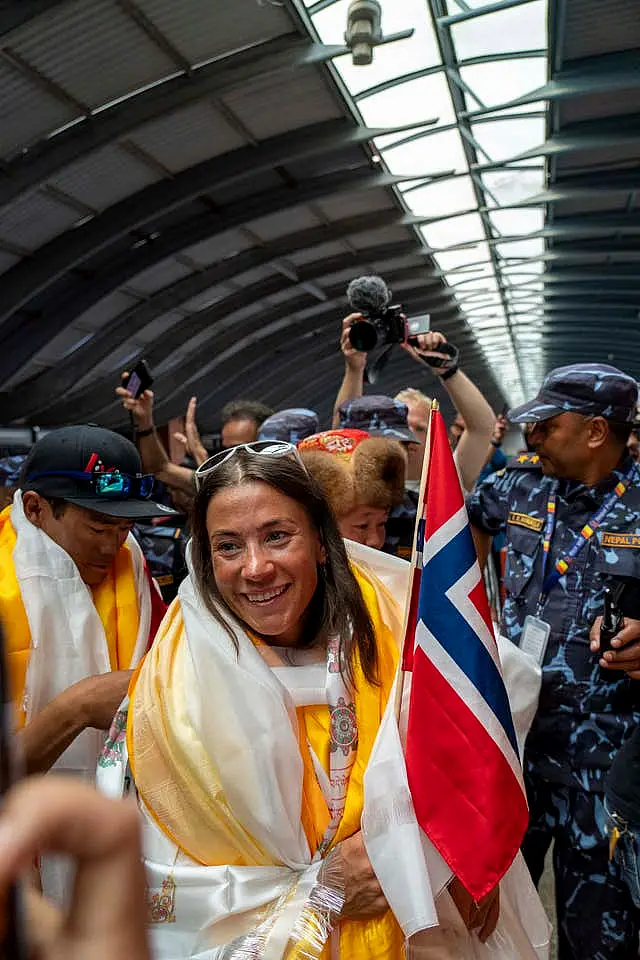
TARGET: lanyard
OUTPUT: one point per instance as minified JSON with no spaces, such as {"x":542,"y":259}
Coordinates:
{"x":549,"y":580}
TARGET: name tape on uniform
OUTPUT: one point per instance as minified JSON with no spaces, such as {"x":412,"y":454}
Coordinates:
{"x":524,"y":520}
{"x":620,"y":540}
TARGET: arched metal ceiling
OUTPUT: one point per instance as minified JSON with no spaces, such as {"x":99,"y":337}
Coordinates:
{"x":190,"y":181}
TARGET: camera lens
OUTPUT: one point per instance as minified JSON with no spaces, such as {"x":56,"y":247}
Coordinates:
{"x":363,"y":335}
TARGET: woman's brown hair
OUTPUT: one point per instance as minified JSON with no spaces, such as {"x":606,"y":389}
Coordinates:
{"x":337,"y":608}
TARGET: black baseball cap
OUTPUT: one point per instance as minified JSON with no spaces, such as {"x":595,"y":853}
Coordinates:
{"x":379,"y":416}
{"x":54,"y":460}
{"x":593,"y":389}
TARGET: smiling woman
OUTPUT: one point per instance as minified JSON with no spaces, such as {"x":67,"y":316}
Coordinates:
{"x":263,"y":740}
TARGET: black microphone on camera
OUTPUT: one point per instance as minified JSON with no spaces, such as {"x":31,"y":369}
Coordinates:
{"x":368,"y":295}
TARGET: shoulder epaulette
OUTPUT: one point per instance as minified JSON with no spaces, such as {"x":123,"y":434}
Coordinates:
{"x":524,"y":461}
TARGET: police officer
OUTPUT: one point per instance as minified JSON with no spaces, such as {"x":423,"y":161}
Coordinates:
{"x":570,"y":512}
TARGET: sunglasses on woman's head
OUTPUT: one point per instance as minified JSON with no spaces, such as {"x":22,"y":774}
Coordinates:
{"x":259,"y":448}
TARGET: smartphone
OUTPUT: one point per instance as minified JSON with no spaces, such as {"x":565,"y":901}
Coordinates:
{"x":13,"y":942}
{"x":138,"y":380}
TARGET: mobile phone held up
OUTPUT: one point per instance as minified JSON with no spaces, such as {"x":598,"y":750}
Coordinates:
{"x":138,"y":380}
{"x":13,"y":943}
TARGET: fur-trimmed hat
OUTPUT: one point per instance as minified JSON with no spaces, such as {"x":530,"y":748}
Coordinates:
{"x":355,"y":469}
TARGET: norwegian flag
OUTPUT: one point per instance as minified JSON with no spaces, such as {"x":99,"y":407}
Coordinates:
{"x":461,"y":751}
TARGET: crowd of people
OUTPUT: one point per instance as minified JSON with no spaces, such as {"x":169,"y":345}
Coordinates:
{"x":220,"y":637}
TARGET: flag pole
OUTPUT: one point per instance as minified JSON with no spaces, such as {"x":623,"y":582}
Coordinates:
{"x":435,"y":407}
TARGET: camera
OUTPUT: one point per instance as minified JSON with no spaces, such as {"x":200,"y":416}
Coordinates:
{"x":386,"y":326}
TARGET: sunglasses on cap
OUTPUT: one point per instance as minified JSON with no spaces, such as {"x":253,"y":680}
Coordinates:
{"x":110,"y":484}
{"x":259,"y":448}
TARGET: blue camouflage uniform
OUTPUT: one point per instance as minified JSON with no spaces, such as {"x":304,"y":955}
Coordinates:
{"x":582,"y":719}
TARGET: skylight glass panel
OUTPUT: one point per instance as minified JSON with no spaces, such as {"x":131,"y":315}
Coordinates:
{"x":509,"y":185}
{"x":504,"y":31}
{"x":449,"y":259}
{"x":515,"y":223}
{"x":432,"y":154}
{"x":442,"y":198}
{"x":521,"y":248}
{"x":462,"y":229}
{"x":507,"y":139}
{"x":415,"y":100}
{"x":504,"y":80}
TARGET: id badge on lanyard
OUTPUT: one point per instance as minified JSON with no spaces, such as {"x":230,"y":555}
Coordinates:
{"x":536,"y":631}
{"x":534,"y":638}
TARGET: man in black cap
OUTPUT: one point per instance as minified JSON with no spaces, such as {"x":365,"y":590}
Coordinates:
{"x":570,"y":513}
{"x":78,"y":605}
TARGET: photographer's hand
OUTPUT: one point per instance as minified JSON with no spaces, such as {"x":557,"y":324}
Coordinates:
{"x":354,"y":359}
{"x":479,"y":418}
{"x":355,"y":362}
{"x":428,"y":344}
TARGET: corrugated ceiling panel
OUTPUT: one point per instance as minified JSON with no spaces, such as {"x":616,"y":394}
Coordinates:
{"x":161,"y":275}
{"x":208,"y":298}
{"x":34,"y":219}
{"x":289,"y":294}
{"x":268,"y":107}
{"x":155,"y":330}
{"x":320,"y":252}
{"x":597,"y":105}
{"x":219,"y":248}
{"x":7,"y":260}
{"x":61,"y":346}
{"x":593,"y":27}
{"x":202,"y":29}
{"x":259,"y":183}
{"x":378,"y":237}
{"x":359,"y":201}
{"x":104,"y":177}
{"x":595,"y":204}
{"x":281,"y":224}
{"x":31,"y":369}
{"x":105,"y":310}
{"x":187,"y":137}
{"x":92,"y":50}
{"x":250,"y":277}
{"x":622,"y":155}
{"x":27,"y":112}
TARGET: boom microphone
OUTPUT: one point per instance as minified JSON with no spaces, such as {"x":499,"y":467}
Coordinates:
{"x":369,"y":296}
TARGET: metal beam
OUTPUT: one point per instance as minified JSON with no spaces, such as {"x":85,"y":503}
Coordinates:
{"x":45,"y":159}
{"x":60,"y":378}
{"x":21,"y":337}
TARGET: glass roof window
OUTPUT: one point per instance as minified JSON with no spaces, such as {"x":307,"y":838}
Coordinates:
{"x":486,"y":239}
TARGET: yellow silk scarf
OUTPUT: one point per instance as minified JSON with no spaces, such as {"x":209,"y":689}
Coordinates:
{"x":181,"y":788}
{"x":115,"y":600}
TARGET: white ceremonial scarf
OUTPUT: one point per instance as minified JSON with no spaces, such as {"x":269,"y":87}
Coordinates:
{"x":68,"y":641}
{"x":246,"y":720}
